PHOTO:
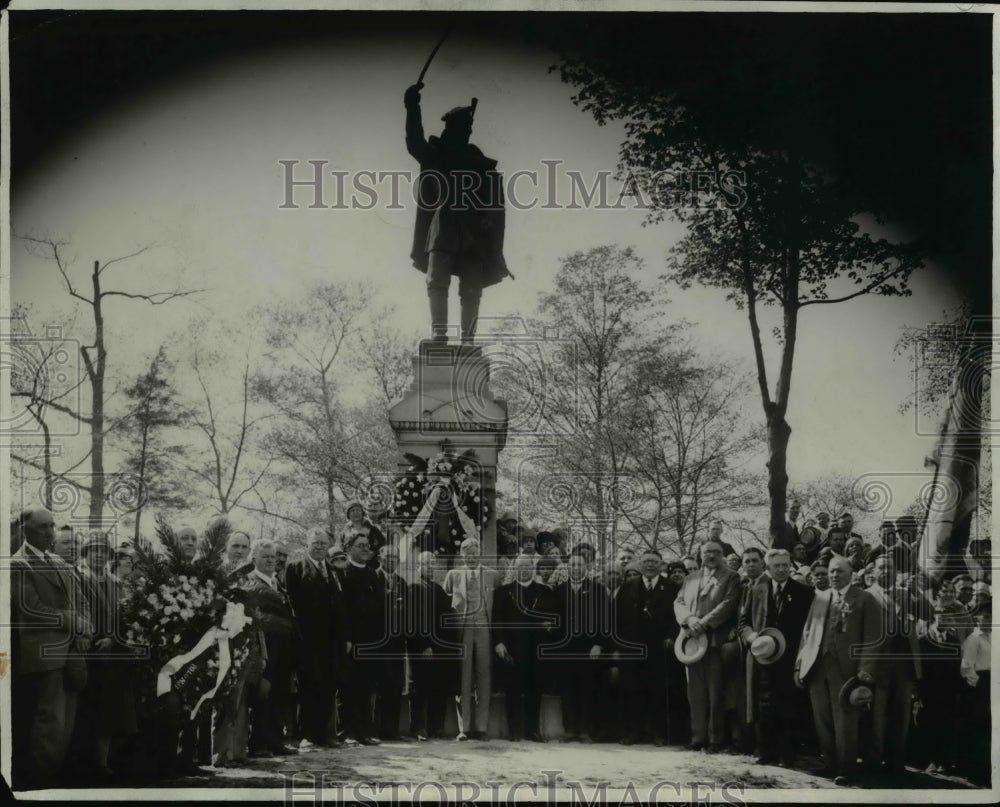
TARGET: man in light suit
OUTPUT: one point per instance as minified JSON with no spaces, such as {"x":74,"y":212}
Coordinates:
{"x":775,"y":601}
{"x":50,"y":621}
{"x":471,"y":587}
{"x":707,"y":604}
{"x":841,"y":639}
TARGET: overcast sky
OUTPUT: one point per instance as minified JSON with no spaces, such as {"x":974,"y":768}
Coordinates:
{"x":191,"y":164}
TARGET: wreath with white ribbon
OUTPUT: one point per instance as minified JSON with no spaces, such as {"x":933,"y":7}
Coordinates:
{"x":440,"y":502}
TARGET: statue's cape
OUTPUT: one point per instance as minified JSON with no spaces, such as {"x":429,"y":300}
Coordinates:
{"x":460,"y":210}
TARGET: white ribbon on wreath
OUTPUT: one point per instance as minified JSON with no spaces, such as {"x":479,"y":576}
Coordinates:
{"x":233,"y":622}
{"x":409,"y":539}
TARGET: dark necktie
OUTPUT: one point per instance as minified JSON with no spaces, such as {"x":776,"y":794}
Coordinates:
{"x":779,"y":599}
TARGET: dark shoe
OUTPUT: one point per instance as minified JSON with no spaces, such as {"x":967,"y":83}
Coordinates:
{"x":695,"y":746}
{"x":658,"y":742}
{"x":628,"y":740}
{"x":477,"y":735}
{"x":714,"y":748}
{"x":535,"y":737}
{"x":371,"y":741}
{"x":764,"y":760}
{"x":584,"y":738}
{"x":842,"y":781}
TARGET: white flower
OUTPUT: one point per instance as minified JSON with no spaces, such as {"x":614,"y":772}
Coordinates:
{"x":475,"y":498}
{"x":164,"y":620}
{"x":152,"y":600}
{"x":187,"y":613}
{"x":177,"y":638}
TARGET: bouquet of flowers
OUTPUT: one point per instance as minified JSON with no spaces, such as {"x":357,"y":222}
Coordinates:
{"x":174,"y":617}
{"x":461,"y":476}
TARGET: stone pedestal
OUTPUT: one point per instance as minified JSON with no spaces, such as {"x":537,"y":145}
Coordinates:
{"x":450,"y":405}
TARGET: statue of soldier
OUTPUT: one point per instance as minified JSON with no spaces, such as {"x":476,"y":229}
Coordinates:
{"x":460,"y":217}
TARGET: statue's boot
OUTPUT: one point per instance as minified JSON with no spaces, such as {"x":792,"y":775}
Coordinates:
{"x":470,"y":313}
{"x":439,"y":314}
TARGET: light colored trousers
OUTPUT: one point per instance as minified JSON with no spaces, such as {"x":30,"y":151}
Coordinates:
{"x":476,"y":661}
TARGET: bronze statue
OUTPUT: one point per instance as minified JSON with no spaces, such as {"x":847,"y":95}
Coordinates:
{"x":460,"y":217}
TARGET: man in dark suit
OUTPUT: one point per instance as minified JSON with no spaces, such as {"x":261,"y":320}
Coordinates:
{"x":886,"y":730}
{"x":646,"y":631}
{"x":272,"y":615}
{"x":584,"y":609}
{"x":707,"y":604}
{"x":775,"y":703}
{"x":392,"y":676}
{"x":324,"y":636}
{"x":364,"y":593}
{"x":904,"y":558}
{"x":50,"y":623}
{"x":432,"y":650}
{"x":523,"y":612}
{"x":841,"y":639}
{"x":789,"y":536}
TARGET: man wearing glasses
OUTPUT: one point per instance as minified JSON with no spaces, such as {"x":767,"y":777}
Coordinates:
{"x":707,"y":604}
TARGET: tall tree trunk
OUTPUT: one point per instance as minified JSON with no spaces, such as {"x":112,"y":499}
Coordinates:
{"x":778,"y":432}
{"x":142,"y":479}
{"x":97,"y":408}
{"x":331,"y":504}
{"x":47,"y":463}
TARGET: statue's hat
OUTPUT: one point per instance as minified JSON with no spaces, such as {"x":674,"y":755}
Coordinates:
{"x":470,"y":111}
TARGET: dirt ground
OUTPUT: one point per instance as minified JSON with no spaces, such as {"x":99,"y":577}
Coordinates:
{"x":404,"y":765}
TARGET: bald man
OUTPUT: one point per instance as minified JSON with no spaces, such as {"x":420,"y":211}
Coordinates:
{"x":841,"y":639}
{"x":237,"y":563}
{"x":187,"y":540}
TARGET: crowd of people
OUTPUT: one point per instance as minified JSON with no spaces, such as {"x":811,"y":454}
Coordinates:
{"x":832,"y":645}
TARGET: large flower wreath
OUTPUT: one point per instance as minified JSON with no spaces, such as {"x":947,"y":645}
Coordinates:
{"x":439,"y":528}
{"x":185,"y":621}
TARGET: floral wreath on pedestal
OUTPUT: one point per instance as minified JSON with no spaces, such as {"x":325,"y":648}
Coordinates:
{"x":461,"y":477}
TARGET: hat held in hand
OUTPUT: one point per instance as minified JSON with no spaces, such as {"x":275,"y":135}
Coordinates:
{"x":769,"y":646}
{"x":690,"y":649}
{"x":856,"y":694}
